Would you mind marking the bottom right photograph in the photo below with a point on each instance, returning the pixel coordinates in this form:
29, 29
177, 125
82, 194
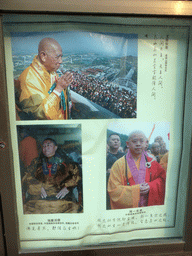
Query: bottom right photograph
136, 164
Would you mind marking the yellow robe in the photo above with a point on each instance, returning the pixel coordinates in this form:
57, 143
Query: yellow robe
35, 82
128, 196
122, 196
164, 161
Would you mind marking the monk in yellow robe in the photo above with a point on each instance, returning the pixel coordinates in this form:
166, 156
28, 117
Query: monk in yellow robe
136, 180
44, 95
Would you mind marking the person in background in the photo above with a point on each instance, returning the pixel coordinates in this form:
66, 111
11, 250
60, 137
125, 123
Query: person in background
114, 144
155, 150
162, 144
113, 154
164, 161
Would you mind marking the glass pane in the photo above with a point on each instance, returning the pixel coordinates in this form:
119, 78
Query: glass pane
117, 126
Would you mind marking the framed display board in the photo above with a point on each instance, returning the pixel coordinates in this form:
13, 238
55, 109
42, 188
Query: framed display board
96, 130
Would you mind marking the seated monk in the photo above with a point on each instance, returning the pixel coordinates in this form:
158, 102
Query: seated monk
49, 183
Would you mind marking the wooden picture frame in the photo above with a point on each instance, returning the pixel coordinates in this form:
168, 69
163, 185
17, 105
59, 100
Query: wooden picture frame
173, 10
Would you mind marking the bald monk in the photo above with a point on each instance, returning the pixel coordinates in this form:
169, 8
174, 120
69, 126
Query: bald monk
44, 95
136, 180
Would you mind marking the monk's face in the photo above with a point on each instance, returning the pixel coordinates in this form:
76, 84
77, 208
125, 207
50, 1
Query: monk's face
49, 148
137, 144
155, 149
159, 139
52, 58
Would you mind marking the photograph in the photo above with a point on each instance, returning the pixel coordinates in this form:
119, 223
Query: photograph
136, 164
63, 75
51, 168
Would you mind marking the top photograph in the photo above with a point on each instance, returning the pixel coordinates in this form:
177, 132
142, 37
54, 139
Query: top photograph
75, 75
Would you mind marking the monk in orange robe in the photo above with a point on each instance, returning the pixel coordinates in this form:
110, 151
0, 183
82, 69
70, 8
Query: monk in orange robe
44, 95
136, 180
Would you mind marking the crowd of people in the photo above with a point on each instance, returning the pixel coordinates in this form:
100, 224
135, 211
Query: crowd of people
119, 101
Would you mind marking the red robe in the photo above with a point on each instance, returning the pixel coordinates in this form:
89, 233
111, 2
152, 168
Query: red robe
124, 196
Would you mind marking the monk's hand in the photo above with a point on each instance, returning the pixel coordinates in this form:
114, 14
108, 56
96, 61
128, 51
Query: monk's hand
144, 188
64, 81
62, 193
43, 193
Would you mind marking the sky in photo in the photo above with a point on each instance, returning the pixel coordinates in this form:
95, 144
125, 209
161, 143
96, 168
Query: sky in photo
77, 42
161, 129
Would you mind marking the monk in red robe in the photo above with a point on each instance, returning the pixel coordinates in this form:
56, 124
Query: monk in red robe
136, 180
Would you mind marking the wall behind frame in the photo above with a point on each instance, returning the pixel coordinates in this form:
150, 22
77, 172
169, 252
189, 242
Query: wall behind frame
6, 167
2, 134
160, 7
2, 244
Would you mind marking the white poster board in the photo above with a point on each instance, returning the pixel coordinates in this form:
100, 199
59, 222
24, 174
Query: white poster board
116, 50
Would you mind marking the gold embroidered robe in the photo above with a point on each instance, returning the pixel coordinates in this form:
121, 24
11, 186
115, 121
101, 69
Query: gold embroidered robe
67, 175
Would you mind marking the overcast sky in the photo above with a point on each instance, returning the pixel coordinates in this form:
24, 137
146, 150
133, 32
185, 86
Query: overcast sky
109, 44
161, 129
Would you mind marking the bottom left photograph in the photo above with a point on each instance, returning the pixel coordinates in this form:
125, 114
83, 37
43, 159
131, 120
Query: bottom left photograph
51, 168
